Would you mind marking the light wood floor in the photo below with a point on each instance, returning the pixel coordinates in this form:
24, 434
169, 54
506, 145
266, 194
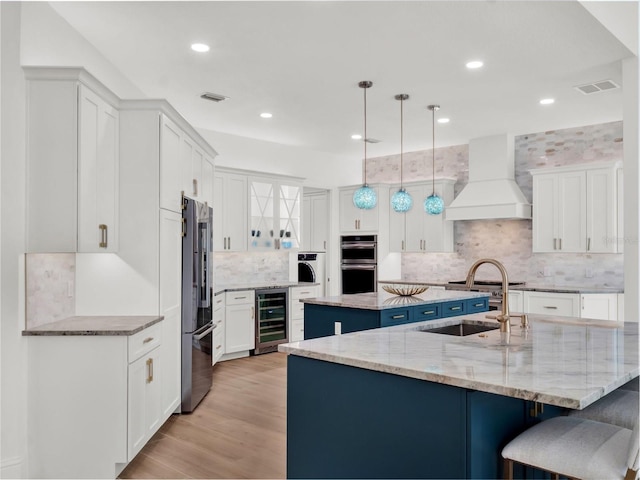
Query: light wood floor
237, 431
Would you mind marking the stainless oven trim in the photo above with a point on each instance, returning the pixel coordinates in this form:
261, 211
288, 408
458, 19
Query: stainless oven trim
359, 266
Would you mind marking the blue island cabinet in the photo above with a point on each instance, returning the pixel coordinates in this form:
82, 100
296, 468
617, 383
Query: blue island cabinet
349, 422
320, 320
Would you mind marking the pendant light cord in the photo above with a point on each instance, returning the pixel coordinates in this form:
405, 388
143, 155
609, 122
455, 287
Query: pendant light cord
401, 136
433, 149
365, 135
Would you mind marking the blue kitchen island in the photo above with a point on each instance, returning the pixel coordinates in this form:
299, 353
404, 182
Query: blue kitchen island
363, 311
404, 402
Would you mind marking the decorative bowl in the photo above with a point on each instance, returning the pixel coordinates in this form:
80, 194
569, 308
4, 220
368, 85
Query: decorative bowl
405, 289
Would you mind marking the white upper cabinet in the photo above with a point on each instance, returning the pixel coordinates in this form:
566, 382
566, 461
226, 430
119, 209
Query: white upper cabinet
356, 220
575, 209
315, 222
274, 213
72, 163
229, 212
416, 230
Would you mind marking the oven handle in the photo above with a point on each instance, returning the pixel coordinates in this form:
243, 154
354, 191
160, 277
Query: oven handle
358, 246
358, 267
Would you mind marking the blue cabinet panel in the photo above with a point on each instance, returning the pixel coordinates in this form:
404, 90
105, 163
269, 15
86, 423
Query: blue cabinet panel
396, 316
475, 305
451, 309
426, 312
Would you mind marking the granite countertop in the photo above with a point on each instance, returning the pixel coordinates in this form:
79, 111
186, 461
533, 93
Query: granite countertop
561, 361
95, 325
383, 300
530, 287
218, 289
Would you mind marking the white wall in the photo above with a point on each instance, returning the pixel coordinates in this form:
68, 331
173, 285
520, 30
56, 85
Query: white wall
13, 417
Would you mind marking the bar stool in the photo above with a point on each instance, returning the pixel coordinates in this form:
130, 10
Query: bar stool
619, 408
577, 448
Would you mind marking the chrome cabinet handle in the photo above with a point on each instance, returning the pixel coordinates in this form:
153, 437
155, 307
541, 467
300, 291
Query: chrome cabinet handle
355, 223
253, 313
224, 241
555, 243
478, 304
147, 340
588, 244
402, 248
396, 317
228, 243
429, 312
560, 243
455, 308
195, 187
325, 244
103, 236
239, 298
551, 307
183, 227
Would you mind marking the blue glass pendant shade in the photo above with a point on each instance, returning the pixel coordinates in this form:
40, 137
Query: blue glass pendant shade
434, 205
365, 197
401, 201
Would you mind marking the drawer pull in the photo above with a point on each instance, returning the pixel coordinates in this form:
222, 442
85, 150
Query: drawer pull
147, 340
397, 317
218, 347
429, 312
478, 304
305, 293
455, 308
552, 307
239, 298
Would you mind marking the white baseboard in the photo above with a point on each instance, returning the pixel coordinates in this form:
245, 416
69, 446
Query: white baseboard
233, 356
12, 468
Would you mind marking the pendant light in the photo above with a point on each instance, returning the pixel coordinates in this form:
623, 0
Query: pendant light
433, 204
365, 197
401, 201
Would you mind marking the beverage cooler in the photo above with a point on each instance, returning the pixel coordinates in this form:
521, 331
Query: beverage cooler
271, 319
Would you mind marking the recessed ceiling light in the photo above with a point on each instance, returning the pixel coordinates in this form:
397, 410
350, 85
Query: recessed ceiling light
200, 47
356, 136
266, 115
474, 64
547, 101
443, 120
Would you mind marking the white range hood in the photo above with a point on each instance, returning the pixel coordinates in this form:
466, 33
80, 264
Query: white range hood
492, 192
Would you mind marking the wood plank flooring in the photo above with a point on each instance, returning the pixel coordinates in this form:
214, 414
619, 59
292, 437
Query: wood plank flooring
237, 431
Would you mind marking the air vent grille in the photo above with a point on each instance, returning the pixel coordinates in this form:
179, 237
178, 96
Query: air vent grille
589, 88
214, 97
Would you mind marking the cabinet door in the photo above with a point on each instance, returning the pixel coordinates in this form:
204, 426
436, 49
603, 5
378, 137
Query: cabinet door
601, 211
414, 221
319, 222
289, 198
369, 218
207, 181
349, 214
187, 155
398, 224
307, 224
97, 174
230, 212
516, 301
143, 401
571, 209
170, 165
170, 307
544, 213
262, 215
601, 306
239, 328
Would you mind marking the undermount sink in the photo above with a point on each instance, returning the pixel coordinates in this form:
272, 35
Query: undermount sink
461, 329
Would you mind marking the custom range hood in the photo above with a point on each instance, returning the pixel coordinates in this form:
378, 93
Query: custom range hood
492, 192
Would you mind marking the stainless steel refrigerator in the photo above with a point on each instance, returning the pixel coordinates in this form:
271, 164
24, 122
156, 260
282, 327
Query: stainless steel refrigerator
197, 311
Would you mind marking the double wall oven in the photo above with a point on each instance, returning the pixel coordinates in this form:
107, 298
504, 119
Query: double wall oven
359, 263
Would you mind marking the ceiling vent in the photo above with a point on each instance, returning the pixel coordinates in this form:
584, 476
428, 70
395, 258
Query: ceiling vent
596, 87
214, 97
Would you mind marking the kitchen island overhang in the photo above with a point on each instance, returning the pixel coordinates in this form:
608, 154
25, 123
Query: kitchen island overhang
398, 402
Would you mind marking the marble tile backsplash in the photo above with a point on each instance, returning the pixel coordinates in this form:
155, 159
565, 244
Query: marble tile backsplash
250, 267
510, 240
50, 287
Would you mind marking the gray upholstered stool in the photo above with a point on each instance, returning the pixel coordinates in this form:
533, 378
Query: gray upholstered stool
619, 408
577, 448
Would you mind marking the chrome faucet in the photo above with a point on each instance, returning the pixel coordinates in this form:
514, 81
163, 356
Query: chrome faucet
503, 317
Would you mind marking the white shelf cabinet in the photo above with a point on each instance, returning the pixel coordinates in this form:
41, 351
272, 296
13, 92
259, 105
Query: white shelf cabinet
274, 213
219, 314
239, 321
315, 222
416, 230
296, 309
230, 212
356, 220
72, 162
113, 384
575, 209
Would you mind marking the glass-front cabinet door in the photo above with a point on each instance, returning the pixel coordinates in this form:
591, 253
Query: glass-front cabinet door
289, 213
275, 215
261, 232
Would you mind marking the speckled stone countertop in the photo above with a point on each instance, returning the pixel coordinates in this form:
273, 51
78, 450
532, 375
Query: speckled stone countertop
218, 289
561, 361
95, 325
531, 287
383, 300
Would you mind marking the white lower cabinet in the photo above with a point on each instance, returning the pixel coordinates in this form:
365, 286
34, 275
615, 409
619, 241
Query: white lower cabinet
601, 306
296, 310
240, 321
551, 303
94, 401
516, 301
219, 314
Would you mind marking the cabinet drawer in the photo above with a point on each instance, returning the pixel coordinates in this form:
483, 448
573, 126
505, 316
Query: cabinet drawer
297, 331
219, 301
451, 309
240, 298
144, 341
474, 305
394, 317
218, 342
426, 312
303, 292
544, 303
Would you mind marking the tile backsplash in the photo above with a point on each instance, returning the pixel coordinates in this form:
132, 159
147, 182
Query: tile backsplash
250, 267
510, 241
50, 286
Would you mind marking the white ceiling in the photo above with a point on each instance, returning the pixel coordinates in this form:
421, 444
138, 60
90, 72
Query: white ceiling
302, 62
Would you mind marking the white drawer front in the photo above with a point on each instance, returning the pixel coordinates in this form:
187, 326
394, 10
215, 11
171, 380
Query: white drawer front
240, 297
297, 331
219, 301
565, 305
144, 341
297, 309
304, 292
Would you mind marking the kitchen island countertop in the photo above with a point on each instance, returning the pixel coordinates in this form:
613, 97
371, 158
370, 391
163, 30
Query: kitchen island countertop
562, 361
